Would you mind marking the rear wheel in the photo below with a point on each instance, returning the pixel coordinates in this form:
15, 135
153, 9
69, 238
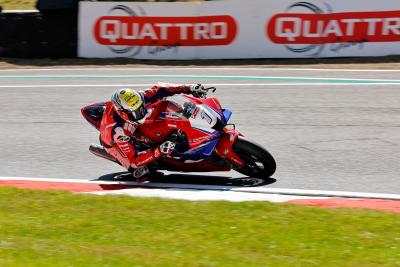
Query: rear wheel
258, 161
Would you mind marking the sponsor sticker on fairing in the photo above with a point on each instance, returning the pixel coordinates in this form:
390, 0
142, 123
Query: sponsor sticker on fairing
298, 28
165, 31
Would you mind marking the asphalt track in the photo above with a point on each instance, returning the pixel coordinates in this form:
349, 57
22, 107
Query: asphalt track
328, 129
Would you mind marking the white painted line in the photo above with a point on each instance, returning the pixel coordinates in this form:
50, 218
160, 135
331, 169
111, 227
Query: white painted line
316, 193
214, 84
201, 195
261, 190
229, 77
168, 68
21, 11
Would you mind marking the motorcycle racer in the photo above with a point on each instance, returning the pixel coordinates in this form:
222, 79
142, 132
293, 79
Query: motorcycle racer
124, 113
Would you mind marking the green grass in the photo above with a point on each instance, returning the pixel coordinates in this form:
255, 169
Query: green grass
39, 228
18, 4
30, 4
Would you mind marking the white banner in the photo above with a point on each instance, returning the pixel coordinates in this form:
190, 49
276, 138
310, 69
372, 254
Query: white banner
233, 29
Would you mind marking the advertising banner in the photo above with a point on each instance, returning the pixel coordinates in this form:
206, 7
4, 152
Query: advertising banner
233, 29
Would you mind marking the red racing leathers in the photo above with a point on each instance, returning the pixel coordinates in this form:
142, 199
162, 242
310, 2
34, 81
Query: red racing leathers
121, 139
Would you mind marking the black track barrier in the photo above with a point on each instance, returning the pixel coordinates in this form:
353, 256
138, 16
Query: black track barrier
51, 5
51, 32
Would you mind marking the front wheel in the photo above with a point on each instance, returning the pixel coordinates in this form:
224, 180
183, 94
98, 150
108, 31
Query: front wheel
258, 161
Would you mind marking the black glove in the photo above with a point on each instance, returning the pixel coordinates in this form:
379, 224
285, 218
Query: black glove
166, 148
198, 90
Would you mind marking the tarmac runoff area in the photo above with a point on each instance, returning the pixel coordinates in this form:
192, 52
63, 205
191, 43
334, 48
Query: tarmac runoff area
334, 130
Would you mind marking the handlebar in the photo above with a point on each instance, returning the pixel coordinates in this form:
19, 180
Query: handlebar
204, 95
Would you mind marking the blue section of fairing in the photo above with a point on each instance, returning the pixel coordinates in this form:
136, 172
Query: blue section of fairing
211, 131
204, 151
227, 115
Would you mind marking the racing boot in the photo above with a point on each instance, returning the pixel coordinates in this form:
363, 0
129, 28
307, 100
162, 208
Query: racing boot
140, 174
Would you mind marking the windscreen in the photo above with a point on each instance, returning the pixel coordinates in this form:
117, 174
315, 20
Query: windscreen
179, 107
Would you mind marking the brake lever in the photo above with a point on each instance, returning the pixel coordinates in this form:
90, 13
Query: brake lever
213, 89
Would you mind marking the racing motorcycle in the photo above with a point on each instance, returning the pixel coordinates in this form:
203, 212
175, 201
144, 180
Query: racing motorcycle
205, 141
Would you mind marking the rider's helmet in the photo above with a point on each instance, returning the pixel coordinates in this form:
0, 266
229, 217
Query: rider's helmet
129, 104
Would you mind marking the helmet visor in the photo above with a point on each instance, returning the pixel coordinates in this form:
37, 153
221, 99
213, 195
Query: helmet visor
138, 114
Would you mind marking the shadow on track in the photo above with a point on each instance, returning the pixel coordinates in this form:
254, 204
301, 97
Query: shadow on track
159, 177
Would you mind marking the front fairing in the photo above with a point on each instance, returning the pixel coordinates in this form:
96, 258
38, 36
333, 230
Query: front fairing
201, 116
197, 120
94, 113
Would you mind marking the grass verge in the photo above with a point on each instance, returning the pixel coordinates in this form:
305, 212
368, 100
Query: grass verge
52, 228
18, 4
30, 4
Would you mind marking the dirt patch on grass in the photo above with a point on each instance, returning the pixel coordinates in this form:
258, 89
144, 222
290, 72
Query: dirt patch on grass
391, 62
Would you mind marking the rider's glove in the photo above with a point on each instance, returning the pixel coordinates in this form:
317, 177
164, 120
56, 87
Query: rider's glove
198, 90
166, 148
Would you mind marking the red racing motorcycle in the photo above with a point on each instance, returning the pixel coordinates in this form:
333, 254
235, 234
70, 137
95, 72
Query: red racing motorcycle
205, 141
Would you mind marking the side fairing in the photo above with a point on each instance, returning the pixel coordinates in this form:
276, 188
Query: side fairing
203, 151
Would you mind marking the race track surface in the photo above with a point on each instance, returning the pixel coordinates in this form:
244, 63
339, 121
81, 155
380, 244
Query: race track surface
327, 129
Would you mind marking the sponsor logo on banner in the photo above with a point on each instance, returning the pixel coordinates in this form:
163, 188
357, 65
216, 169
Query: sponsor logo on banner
121, 10
317, 27
165, 31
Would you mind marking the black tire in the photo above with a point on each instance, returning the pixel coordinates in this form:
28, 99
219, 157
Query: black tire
258, 161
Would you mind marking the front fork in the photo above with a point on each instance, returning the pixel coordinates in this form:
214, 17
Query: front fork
224, 147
